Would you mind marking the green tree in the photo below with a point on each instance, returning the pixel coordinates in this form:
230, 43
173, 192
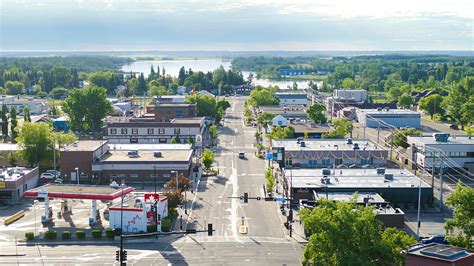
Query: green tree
349, 234
213, 132
36, 142
282, 132
58, 93
264, 118
205, 105
86, 108
158, 91
26, 114
223, 103
348, 83
341, 127
432, 105
262, 97
460, 228
393, 93
270, 184
176, 139
458, 100
405, 101
13, 124
316, 113
14, 87
4, 115
207, 159
400, 137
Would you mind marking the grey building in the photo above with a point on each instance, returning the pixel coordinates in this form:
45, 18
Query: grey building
385, 117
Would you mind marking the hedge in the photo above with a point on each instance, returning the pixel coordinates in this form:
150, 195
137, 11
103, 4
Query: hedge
51, 234
29, 235
66, 234
166, 224
81, 234
151, 228
109, 233
97, 233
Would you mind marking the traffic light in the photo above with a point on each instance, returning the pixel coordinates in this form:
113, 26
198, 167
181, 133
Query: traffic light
117, 255
209, 229
124, 254
290, 216
246, 197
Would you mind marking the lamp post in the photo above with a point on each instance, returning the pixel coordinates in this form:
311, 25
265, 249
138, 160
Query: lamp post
77, 174
35, 202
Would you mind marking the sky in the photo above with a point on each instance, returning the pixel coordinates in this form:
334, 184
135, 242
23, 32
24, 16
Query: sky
236, 25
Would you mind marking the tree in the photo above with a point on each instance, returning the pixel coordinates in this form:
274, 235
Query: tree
176, 139
460, 228
316, 113
183, 183
205, 104
4, 115
86, 108
341, 127
264, 118
207, 158
12, 158
432, 105
405, 101
13, 124
14, 87
36, 142
344, 233
58, 93
26, 114
282, 132
158, 91
270, 184
223, 103
400, 137
457, 99
393, 93
263, 97
348, 83
213, 132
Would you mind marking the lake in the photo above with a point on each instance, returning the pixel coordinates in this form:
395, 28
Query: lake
172, 67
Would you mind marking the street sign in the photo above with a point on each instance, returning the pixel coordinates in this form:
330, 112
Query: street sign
279, 199
3, 184
269, 156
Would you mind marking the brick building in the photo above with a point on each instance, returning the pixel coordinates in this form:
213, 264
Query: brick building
167, 111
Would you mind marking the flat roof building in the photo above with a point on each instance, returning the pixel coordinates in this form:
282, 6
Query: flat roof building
439, 255
398, 186
14, 181
292, 98
385, 117
443, 150
314, 153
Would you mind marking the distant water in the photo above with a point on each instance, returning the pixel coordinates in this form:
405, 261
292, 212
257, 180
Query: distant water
172, 68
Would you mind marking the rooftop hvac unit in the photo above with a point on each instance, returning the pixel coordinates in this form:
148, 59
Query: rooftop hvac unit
302, 144
157, 154
132, 154
349, 141
388, 176
356, 146
326, 171
441, 137
380, 171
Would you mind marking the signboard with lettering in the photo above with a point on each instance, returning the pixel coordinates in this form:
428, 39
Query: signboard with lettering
3, 184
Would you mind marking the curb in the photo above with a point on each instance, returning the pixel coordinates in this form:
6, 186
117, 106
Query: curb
51, 243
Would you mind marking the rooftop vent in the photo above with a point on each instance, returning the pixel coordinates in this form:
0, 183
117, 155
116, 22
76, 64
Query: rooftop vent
157, 154
349, 141
380, 171
388, 176
326, 171
132, 154
356, 146
441, 137
302, 144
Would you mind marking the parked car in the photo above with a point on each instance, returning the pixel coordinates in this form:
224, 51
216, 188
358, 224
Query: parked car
434, 239
54, 172
241, 155
47, 176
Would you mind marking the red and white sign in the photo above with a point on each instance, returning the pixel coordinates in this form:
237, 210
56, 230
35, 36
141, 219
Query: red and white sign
151, 197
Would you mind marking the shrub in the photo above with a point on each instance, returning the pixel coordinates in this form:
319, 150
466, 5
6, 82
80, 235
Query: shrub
151, 228
81, 234
166, 224
97, 233
29, 235
109, 233
66, 234
51, 234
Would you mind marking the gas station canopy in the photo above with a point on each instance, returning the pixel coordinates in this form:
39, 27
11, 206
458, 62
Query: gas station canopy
85, 192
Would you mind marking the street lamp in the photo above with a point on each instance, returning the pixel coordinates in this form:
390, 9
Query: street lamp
77, 174
35, 203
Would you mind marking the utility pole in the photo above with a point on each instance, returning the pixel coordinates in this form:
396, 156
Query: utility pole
121, 232
378, 133
433, 170
419, 209
441, 205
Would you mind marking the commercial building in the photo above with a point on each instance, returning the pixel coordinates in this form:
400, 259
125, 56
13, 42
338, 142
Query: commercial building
397, 186
438, 255
359, 96
156, 132
35, 107
292, 98
385, 117
167, 111
386, 213
290, 112
99, 162
312, 153
442, 150
15, 181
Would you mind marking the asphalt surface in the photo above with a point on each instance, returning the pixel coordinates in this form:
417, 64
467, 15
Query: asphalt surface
216, 201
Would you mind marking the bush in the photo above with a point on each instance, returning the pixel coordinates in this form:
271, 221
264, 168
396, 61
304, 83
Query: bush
81, 234
109, 233
51, 234
66, 234
151, 228
29, 235
166, 224
97, 233
172, 214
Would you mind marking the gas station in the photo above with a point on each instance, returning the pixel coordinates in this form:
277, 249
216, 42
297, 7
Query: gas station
79, 192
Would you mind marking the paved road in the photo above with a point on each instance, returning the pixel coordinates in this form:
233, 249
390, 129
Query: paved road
266, 242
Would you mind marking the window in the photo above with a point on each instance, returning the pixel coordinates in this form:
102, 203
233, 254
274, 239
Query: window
163, 140
312, 163
152, 175
135, 131
133, 175
366, 161
113, 131
166, 175
124, 131
326, 162
133, 140
177, 131
161, 131
338, 161
179, 113
151, 131
288, 162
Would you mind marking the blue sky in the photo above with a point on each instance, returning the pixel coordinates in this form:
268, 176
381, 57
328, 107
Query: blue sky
311, 25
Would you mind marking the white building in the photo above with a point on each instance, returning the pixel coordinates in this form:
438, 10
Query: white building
292, 98
35, 107
137, 213
443, 150
385, 117
353, 95
14, 181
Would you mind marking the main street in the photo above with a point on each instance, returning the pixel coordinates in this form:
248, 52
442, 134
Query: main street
265, 243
